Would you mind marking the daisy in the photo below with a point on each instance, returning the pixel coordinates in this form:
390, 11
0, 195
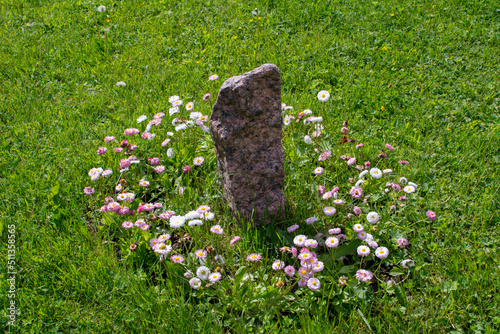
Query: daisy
381, 252
313, 283
431, 215
311, 243
165, 142
202, 273
362, 235
195, 222
364, 275
409, 189
195, 282
214, 277
334, 230
386, 171
170, 152
319, 171
198, 161
372, 217
177, 103
216, 229
177, 221
192, 215
304, 272
189, 106
88, 191
389, 147
358, 228
234, 240
403, 242
173, 98
290, 271
376, 173
254, 257
362, 174
292, 228
203, 208
139, 222
141, 119
101, 150
338, 202
102, 9
323, 96
351, 161
159, 169
131, 132
207, 97
213, 77
382, 155
307, 140
208, 215
407, 263
173, 110
278, 265
363, 250
302, 282
287, 120
311, 220
303, 256
127, 224
121, 84
163, 249
356, 192
164, 237
331, 242
319, 266
144, 183
113, 206
329, 210
342, 280
325, 156
299, 240
201, 254
177, 258
403, 162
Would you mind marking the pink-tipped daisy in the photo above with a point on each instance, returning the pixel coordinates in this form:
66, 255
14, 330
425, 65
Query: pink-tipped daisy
313, 283
217, 229
254, 257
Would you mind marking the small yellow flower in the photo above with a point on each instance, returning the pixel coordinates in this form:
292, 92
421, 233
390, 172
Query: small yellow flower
251, 20
382, 108
447, 129
234, 37
392, 14
384, 48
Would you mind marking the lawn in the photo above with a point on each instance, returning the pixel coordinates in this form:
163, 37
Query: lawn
422, 76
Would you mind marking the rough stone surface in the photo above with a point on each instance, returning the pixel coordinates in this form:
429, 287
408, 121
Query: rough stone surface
245, 126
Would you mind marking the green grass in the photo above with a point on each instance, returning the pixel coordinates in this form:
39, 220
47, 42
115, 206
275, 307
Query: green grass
433, 66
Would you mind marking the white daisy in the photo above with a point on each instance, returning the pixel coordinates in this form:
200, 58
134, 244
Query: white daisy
323, 96
376, 173
142, 118
189, 106
177, 221
202, 273
372, 217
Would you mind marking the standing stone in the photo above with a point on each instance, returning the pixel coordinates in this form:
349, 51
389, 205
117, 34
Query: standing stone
245, 126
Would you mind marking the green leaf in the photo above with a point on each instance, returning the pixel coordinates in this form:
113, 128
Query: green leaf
348, 249
396, 272
239, 276
364, 319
